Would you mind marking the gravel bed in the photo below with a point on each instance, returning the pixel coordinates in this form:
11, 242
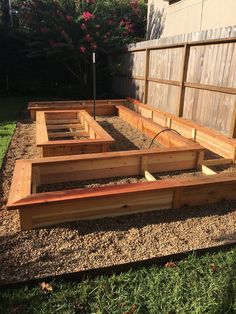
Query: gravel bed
88, 244
126, 136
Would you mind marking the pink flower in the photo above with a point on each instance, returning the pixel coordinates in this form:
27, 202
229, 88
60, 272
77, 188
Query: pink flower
88, 38
129, 27
110, 22
44, 29
87, 16
122, 22
83, 26
94, 46
82, 49
69, 18
90, 1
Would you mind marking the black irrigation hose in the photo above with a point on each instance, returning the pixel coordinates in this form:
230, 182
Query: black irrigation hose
167, 129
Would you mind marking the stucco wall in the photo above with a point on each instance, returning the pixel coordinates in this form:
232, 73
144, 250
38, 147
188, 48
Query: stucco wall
188, 16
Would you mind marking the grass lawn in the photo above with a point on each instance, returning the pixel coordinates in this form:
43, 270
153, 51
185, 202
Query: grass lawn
196, 285
9, 112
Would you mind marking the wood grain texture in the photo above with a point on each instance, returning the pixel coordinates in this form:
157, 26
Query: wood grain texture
69, 132
190, 75
208, 138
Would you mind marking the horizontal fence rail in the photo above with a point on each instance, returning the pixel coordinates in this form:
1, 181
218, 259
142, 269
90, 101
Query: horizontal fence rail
195, 80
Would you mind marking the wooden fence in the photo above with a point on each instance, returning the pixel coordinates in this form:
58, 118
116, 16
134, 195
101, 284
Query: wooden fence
192, 75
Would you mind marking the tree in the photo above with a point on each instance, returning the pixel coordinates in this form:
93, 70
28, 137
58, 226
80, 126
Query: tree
69, 31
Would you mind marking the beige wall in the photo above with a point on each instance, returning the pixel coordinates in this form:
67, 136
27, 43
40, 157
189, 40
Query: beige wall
188, 16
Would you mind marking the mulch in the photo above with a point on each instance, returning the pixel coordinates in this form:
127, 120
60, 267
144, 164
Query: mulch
95, 243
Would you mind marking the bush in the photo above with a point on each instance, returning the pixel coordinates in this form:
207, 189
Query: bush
67, 32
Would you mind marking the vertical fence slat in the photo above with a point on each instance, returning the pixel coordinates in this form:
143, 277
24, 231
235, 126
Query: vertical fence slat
147, 61
183, 78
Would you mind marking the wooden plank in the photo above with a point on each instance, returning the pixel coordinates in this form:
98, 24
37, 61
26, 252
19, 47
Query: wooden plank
35, 179
147, 60
67, 134
21, 181
190, 43
115, 205
76, 126
210, 139
163, 81
123, 199
77, 148
218, 162
61, 121
97, 140
183, 78
106, 165
149, 177
233, 122
104, 107
98, 130
213, 88
168, 139
206, 170
41, 129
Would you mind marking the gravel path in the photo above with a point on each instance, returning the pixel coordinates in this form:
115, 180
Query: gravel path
87, 244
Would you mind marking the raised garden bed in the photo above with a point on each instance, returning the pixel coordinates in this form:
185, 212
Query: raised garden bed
41, 209
103, 107
214, 141
162, 135
93, 243
177, 153
69, 132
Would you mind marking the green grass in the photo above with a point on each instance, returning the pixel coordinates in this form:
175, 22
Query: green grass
195, 285
9, 112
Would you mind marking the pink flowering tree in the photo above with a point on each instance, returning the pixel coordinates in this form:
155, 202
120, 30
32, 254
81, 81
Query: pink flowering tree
69, 31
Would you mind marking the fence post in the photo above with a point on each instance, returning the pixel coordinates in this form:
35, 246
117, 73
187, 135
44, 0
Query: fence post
147, 58
232, 131
183, 78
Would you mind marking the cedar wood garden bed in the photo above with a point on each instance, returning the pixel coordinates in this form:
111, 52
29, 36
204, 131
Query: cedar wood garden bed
79, 245
69, 132
40, 209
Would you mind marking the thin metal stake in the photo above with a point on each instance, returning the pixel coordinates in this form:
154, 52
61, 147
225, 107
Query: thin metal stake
94, 85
